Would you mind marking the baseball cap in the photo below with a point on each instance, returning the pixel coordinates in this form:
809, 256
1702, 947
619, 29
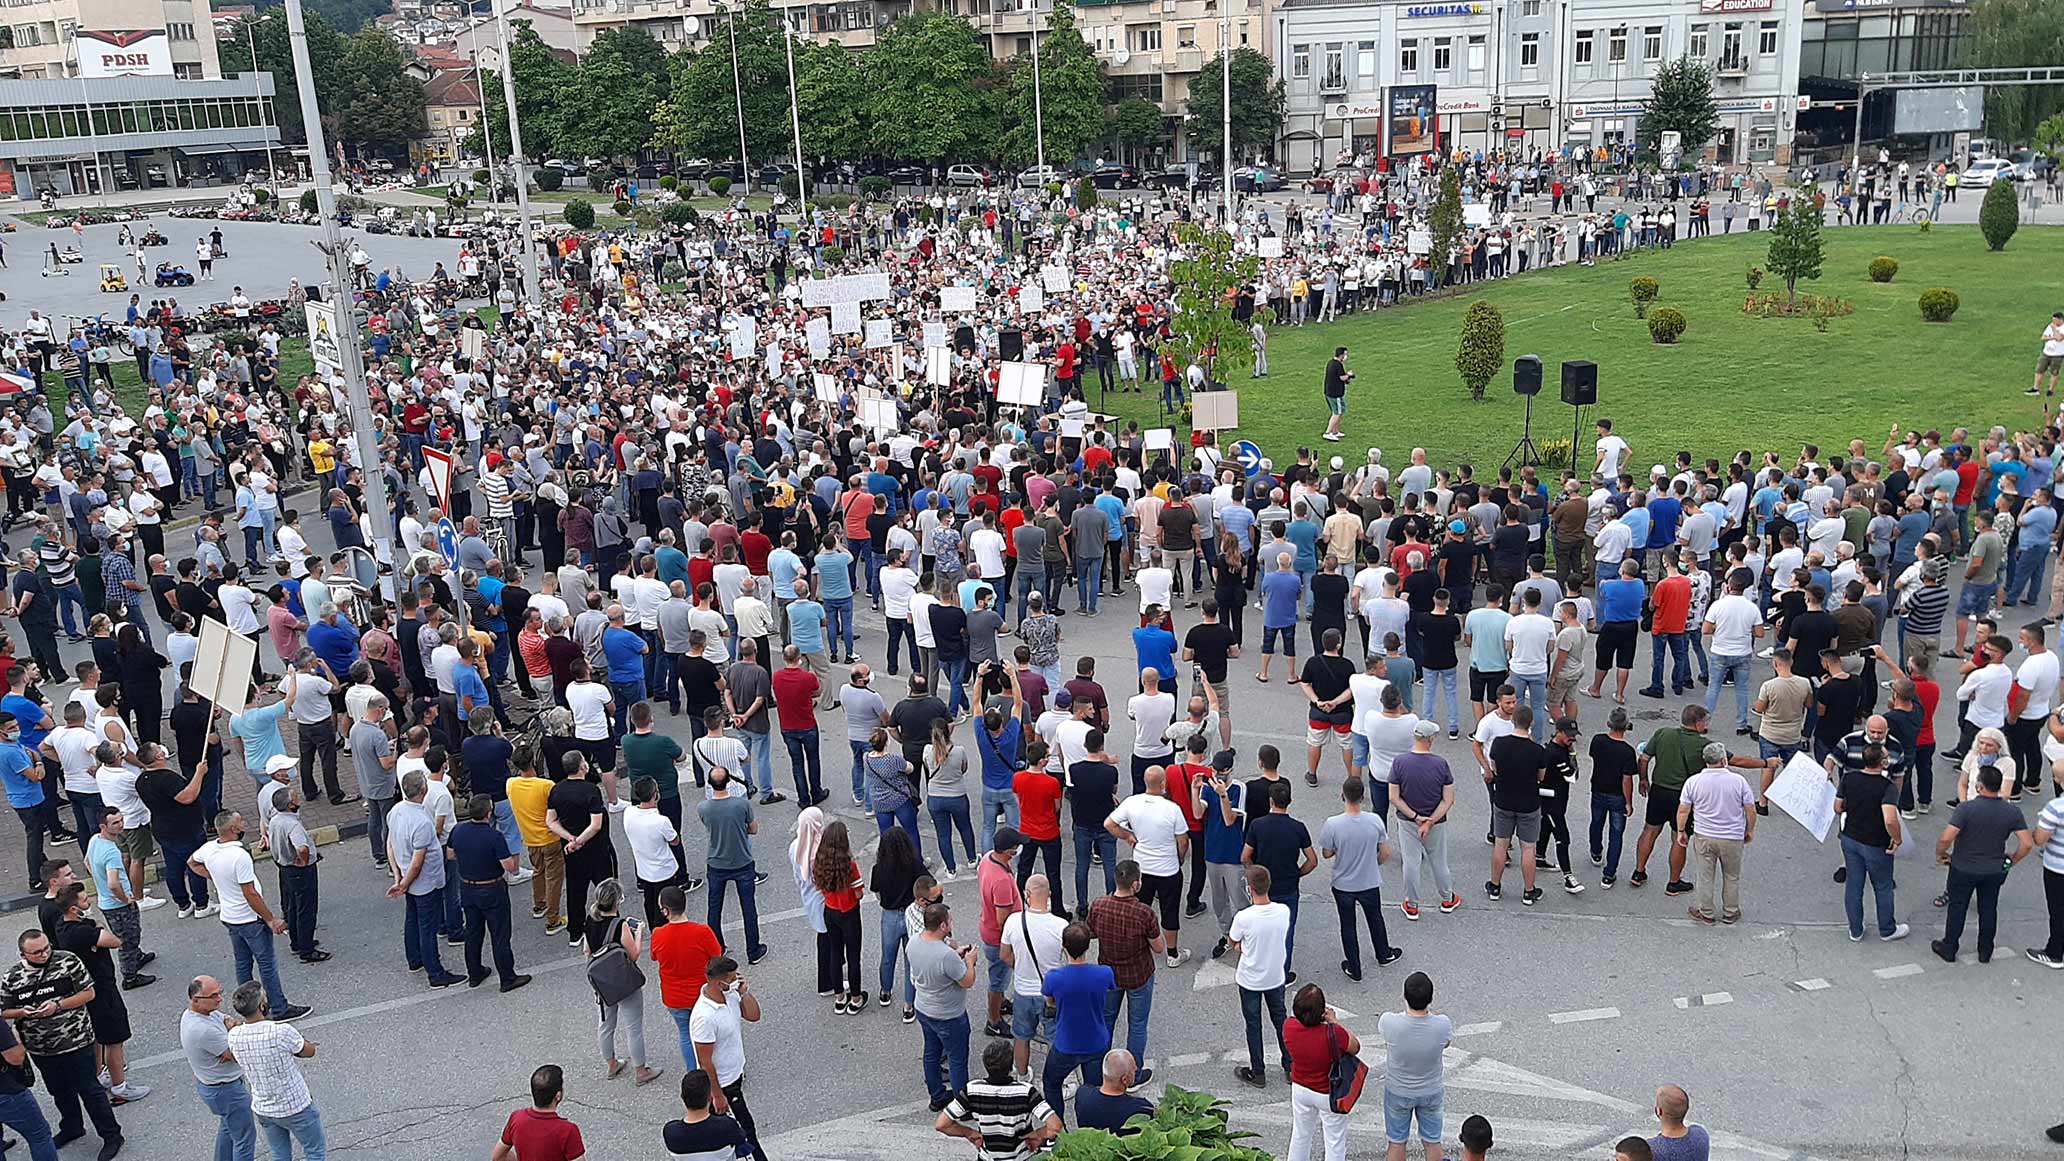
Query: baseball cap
1426, 729
1063, 699
1008, 839
279, 762
1566, 726
1457, 526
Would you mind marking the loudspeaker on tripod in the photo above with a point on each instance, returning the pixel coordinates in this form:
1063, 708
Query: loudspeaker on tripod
1526, 375
1579, 382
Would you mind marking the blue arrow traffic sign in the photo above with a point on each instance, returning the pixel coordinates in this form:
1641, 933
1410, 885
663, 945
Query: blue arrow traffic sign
448, 542
1248, 455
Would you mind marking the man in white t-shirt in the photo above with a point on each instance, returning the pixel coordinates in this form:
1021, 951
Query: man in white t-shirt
1529, 648
250, 923
2052, 359
652, 837
1731, 627
716, 1026
1031, 947
1160, 837
1261, 934
1612, 453
1152, 711
2029, 703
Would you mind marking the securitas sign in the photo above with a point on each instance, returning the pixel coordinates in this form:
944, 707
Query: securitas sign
124, 53
1420, 11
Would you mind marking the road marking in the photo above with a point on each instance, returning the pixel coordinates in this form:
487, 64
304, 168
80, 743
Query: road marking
1483, 1029
1212, 974
1583, 1014
1997, 953
1816, 984
1236, 1056
1189, 1058
1707, 1000
1555, 1136
1898, 971
1487, 1075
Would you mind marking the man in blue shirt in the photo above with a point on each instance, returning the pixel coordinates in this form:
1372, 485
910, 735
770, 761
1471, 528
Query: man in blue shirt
1154, 646
480, 857
1113, 509
1081, 1031
2038, 521
1304, 534
21, 773
1280, 591
835, 589
1619, 624
469, 689
625, 652
333, 638
999, 742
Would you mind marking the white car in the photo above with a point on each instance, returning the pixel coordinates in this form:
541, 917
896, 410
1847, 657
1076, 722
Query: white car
1984, 173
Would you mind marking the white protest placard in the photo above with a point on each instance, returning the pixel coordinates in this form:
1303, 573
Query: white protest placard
222, 667
744, 337
879, 414
935, 334
938, 366
1215, 410
472, 343
957, 299
845, 318
1476, 215
1054, 279
1021, 384
1031, 299
817, 292
1270, 246
825, 387
1072, 428
773, 360
1803, 791
1160, 439
1419, 240
818, 333
865, 287
880, 333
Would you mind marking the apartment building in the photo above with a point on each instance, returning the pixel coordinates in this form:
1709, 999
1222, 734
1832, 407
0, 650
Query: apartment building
125, 37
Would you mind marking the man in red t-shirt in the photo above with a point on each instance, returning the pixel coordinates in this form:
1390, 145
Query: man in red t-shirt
539, 1133
1184, 780
997, 883
1670, 601
683, 950
795, 704
1039, 820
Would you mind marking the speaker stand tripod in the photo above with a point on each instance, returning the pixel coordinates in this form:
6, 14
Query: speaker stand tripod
1524, 452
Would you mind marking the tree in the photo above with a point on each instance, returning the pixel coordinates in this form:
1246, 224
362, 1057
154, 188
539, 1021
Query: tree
832, 100
1258, 105
1205, 332
1795, 250
620, 81
1071, 95
1444, 219
2016, 34
276, 56
699, 116
1680, 100
934, 97
542, 79
347, 16
1136, 124
1483, 347
380, 104
1998, 216
2049, 136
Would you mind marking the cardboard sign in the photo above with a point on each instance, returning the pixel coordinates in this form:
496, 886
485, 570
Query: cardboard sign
1269, 247
938, 366
222, 666
818, 334
845, 318
1160, 439
1021, 384
1215, 410
880, 333
957, 299
935, 334
825, 387
1054, 279
1031, 299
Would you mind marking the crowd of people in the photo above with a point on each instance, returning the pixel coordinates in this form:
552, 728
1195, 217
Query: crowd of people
680, 500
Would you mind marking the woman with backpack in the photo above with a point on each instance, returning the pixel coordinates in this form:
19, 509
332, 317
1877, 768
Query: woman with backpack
615, 944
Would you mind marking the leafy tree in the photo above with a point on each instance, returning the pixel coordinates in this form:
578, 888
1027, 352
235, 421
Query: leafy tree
1681, 100
542, 80
1482, 353
1071, 95
1795, 249
621, 80
934, 97
1136, 124
1998, 216
2016, 34
580, 214
347, 16
380, 104
1204, 329
1444, 219
699, 116
276, 56
832, 100
2049, 136
1258, 105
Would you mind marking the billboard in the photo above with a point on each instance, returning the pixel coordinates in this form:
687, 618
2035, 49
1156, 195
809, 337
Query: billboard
1411, 125
124, 53
1960, 110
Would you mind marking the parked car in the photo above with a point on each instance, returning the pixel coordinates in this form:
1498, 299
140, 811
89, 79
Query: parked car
771, 175
1115, 177
1038, 175
1168, 177
730, 170
1983, 173
1257, 179
907, 175
2028, 164
968, 176
695, 169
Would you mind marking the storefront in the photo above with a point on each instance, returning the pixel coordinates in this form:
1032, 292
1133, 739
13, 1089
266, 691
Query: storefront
80, 136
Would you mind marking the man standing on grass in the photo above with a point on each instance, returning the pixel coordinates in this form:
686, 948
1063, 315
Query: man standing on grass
1337, 379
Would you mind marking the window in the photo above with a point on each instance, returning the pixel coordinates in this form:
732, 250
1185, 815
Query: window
1529, 50
1652, 43
1300, 62
1696, 48
1616, 46
1145, 38
1443, 54
176, 30
1731, 58
1185, 36
1530, 7
1335, 77
1584, 48
1365, 63
1766, 38
1146, 88
1408, 57
1476, 53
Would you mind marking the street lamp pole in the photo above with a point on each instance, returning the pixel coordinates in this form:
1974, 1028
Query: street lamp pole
486, 135
795, 124
1038, 109
251, 28
738, 99
351, 364
1225, 113
526, 236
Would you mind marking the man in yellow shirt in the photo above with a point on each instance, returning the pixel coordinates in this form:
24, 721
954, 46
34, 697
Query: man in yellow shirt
527, 793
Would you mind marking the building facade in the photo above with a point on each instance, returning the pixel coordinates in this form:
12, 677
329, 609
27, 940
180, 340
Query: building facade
680, 24
1526, 75
153, 37
1153, 49
85, 135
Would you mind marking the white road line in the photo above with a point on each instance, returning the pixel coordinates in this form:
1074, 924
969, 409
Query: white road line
1816, 984
1898, 971
1997, 953
1189, 1058
1583, 1014
1483, 1029
1706, 1000
1236, 1056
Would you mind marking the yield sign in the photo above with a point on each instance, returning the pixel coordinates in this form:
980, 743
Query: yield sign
439, 465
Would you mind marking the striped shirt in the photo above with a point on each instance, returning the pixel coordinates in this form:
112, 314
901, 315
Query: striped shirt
495, 488
2051, 820
1005, 1114
1924, 609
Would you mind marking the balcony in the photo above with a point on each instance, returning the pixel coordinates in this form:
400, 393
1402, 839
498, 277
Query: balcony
1333, 84
1731, 66
1012, 23
1185, 59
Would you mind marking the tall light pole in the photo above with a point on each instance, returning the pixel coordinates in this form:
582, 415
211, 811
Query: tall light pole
1038, 108
738, 98
351, 365
526, 236
251, 28
486, 133
1225, 112
795, 121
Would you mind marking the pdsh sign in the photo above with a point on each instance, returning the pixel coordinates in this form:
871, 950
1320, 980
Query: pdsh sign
124, 52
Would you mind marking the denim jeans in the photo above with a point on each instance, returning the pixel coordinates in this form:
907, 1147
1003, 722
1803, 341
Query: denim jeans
992, 802
1680, 660
1962, 886
805, 762
21, 1113
1724, 665
895, 937
305, 1127
2024, 583
1250, 1011
1863, 859
1608, 811
838, 623
956, 671
1139, 1004
626, 694
1532, 689
186, 887
949, 813
1097, 839
1371, 903
1059, 1064
742, 878
236, 1139
945, 1042
900, 630
69, 597
1030, 580
682, 1018
859, 769
1437, 682
505, 822
252, 944
904, 816
421, 919
759, 749
1089, 582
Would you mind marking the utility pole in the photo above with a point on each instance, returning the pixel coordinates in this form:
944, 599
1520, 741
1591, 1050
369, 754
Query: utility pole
526, 234
1038, 109
1225, 112
738, 99
795, 123
351, 363
271, 174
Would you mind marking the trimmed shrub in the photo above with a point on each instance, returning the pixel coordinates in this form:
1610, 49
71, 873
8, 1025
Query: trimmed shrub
720, 185
793, 189
1755, 277
1882, 269
673, 271
1665, 324
261, 195
669, 183
1085, 194
1482, 351
623, 207
479, 177
1998, 216
580, 214
832, 255
1939, 304
548, 179
309, 204
874, 187
678, 214
1644, 291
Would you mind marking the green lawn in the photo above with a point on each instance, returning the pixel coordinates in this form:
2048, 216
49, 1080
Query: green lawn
1731, 382
134, 397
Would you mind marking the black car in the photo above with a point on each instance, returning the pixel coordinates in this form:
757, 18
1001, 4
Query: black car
1115, 177
1171, 177
908, 175
730, 170
772, 175
695, 170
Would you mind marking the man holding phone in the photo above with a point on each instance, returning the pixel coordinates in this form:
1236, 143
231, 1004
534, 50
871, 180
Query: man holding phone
717, 1027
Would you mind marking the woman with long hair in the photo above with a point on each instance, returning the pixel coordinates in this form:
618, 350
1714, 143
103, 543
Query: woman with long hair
891, 787
140, 668
836, 874
897, 868
1229, 585
606, 927
1314, 1038
802, 862
946, 794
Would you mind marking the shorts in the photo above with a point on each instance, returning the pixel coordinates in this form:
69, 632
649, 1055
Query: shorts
1523, 825
1563, 688
1320, 733
1483, 685
1337, 404
137, 843
110, 1021
2049, 364
1662, 807
1358, 751
1288, 633
1224, 690
1399, 1112
999, 971
1166, 890
1976, 599
1616, 644
1028, 1014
